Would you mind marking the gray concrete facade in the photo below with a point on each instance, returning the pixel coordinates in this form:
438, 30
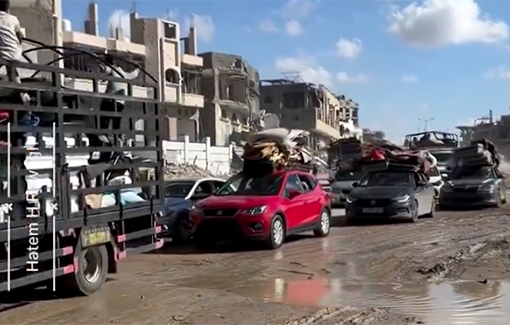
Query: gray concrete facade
230, 86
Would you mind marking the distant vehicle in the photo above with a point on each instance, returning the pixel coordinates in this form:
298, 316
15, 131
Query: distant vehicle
180, 195
469, 187
442, 155
392, 193
342, 186
268, 209
431, 139
436, 179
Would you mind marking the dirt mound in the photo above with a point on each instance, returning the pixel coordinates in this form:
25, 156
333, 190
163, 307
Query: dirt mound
184, 170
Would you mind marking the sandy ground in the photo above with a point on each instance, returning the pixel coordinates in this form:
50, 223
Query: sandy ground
437, 271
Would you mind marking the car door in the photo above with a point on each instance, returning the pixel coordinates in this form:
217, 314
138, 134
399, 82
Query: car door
424, 193
293, 207
419, 192
313, 206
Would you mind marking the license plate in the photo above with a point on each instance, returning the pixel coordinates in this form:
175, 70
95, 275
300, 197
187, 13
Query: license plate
373, 210
97, 236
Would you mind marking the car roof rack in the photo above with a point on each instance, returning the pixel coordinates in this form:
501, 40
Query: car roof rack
388, 165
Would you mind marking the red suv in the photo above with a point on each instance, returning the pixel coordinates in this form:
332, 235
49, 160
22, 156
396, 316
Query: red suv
268, 208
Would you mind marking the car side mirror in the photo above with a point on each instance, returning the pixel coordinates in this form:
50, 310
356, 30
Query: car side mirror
199, 196
293, 194
355, 184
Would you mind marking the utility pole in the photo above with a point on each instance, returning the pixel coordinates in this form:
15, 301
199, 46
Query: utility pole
425, 122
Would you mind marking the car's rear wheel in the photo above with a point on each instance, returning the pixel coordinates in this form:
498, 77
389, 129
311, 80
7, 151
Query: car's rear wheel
276, 233
324, 224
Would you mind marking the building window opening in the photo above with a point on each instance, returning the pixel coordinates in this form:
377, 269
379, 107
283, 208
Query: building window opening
223, 113
268, 100
172, 76
293, 100
192, 81
170, 31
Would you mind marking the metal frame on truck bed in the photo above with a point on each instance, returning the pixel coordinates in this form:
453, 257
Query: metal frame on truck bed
58, 236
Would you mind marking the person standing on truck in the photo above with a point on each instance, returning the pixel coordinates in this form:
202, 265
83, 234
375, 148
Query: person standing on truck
114, 87
11, 36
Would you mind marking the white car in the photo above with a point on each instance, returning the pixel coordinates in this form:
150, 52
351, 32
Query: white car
436, 179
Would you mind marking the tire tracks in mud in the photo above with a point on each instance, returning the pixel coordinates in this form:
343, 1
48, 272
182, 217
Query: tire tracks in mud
353, 316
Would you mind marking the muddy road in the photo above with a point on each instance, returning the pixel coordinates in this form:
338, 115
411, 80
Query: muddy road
439, 271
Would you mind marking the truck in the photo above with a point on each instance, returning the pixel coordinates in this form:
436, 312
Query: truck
74, 201
440, 144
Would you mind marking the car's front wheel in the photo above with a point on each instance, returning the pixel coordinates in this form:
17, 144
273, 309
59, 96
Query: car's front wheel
415, 214
324, 225
276, 233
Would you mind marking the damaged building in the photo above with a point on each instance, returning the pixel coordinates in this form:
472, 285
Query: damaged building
302, 105
231, 91
153, 44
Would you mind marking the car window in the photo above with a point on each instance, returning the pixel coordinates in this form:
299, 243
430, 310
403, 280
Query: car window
473, 173
178, 189
307, 183
386, 178
293, 183
244, 185
204, 187
217, 184
433, 172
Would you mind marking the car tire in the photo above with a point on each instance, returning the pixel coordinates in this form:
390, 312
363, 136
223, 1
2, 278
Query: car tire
179, 234
277, 233
324, 224
415, 214
503, 197
432, 212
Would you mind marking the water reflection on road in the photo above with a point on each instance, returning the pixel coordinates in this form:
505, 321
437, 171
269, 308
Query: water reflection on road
441, 304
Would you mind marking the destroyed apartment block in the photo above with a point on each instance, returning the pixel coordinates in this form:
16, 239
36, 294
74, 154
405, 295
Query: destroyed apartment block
153, 44
230, 87
302, 105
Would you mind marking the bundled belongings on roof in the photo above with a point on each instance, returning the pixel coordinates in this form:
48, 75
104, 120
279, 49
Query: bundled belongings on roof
478, 153
275, 148
372, 157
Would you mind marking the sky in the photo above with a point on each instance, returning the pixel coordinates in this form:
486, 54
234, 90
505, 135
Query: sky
436, 62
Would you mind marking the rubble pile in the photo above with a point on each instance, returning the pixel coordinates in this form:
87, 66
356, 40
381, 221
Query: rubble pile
275, 148
479, 153
184, 170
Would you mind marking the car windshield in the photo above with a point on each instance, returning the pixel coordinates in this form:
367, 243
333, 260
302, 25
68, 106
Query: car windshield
243, 185
474, 173
442, 158
179, 189
386, 178
433, 172
347, 176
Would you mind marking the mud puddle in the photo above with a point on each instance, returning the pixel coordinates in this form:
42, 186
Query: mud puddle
445, 304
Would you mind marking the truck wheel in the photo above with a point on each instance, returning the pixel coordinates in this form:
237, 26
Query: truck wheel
324, 224
92, 272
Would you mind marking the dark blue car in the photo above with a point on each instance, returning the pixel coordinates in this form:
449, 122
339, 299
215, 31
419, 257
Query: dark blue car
180, 195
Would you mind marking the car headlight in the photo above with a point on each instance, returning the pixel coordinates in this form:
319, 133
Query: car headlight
350, 200
487, 188
195, 208
256, 210
402, 199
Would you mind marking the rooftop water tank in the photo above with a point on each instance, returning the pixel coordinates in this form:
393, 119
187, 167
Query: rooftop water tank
66, 25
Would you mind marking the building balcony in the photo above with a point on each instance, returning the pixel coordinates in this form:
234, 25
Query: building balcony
99, 42
325, 129
193, 100
192, 60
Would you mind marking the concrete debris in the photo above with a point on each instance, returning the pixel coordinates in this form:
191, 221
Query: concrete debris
184, 170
